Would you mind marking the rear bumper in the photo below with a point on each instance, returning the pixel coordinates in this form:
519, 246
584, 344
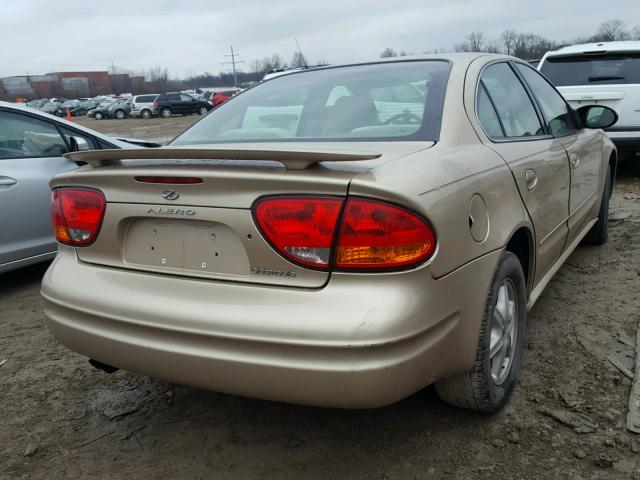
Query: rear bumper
356, 343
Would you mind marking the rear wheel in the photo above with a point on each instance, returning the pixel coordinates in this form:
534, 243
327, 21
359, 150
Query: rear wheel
146, 113
599, 233
202, 110
165, 112
488, 386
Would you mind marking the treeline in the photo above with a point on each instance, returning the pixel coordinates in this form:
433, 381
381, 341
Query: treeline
531, 46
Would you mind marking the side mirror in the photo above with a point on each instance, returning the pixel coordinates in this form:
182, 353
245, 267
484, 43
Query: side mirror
597, 116
79, 144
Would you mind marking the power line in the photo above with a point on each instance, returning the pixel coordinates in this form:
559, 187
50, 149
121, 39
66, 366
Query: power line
233, 63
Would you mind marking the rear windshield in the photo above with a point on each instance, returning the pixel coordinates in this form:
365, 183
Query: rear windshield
606, 69
385, 101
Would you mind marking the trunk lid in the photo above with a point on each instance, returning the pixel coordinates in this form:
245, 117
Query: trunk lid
206, 230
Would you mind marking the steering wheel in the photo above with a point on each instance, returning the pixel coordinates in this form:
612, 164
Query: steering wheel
404, 118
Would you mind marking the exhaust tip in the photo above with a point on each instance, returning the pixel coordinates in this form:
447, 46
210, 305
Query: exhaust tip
103, 366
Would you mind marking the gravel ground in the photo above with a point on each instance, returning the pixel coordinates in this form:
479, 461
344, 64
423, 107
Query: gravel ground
156, 129
59, 418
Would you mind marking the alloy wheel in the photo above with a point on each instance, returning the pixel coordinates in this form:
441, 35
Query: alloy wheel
504, 328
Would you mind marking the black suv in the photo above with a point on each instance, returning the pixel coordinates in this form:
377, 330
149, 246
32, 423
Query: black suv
169, 104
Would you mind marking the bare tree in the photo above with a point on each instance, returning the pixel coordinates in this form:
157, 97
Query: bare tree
388, 53
159, 78
635, 34
274, 62
509, 38
474, 42
299, 60
256, 66
612, 30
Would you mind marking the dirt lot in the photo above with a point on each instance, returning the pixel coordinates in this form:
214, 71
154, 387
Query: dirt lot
59, 418
155, 129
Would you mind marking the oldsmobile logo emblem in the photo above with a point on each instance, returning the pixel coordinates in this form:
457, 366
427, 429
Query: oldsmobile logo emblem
170, 195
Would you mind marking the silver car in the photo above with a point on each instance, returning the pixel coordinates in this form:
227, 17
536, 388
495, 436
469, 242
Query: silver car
31, 148
143, 106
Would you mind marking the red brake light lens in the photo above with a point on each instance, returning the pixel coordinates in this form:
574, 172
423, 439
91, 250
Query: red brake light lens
77, 215
300, 228
372, 235
380, 235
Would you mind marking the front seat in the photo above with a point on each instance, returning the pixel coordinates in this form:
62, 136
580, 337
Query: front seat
349, 113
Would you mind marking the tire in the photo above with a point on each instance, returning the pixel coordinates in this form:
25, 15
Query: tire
98, 116
120, 114
489, 384
145, 113
599, 233
165, 112
203, 111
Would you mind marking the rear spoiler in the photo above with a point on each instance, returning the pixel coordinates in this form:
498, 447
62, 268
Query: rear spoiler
291, 159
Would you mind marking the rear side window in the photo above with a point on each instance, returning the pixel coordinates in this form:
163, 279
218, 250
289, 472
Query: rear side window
556, 112
513, 105
487, 115
173, 97
601, 69
145, 98
22, 136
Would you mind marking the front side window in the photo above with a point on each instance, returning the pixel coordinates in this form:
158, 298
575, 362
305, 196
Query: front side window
513, 105
186, 98
392, 101
22, 136
556, 112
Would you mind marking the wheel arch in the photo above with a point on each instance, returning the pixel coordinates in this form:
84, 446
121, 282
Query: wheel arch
521, 244
613, 164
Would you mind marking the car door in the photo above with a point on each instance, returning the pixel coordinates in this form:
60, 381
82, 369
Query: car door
537, 161
188, 104
583, 148
30, 154
175, 103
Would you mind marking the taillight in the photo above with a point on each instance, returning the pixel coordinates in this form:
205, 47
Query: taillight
300, 228
371, 235
156, 104
77, 215
380, 235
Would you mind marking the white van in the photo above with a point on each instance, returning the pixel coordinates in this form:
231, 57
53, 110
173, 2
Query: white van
606, 73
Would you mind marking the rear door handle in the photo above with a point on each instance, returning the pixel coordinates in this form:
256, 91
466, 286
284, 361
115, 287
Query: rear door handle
7, 182
531, 178
574, 159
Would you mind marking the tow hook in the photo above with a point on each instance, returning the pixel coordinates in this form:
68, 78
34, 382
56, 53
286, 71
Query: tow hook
103, 366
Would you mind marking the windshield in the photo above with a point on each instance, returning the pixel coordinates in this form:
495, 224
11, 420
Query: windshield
607, 69
385, 101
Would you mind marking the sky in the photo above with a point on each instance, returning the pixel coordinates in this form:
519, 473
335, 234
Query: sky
193, 36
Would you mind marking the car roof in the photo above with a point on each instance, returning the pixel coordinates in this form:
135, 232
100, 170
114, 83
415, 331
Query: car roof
609, 47
457, 58
50, 118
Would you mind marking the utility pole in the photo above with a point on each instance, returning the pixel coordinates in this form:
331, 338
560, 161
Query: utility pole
233, 63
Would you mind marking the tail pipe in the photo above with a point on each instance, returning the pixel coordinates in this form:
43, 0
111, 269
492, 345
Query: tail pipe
103, 366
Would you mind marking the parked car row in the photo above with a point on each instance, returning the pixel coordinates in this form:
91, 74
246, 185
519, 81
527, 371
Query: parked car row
137, 106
